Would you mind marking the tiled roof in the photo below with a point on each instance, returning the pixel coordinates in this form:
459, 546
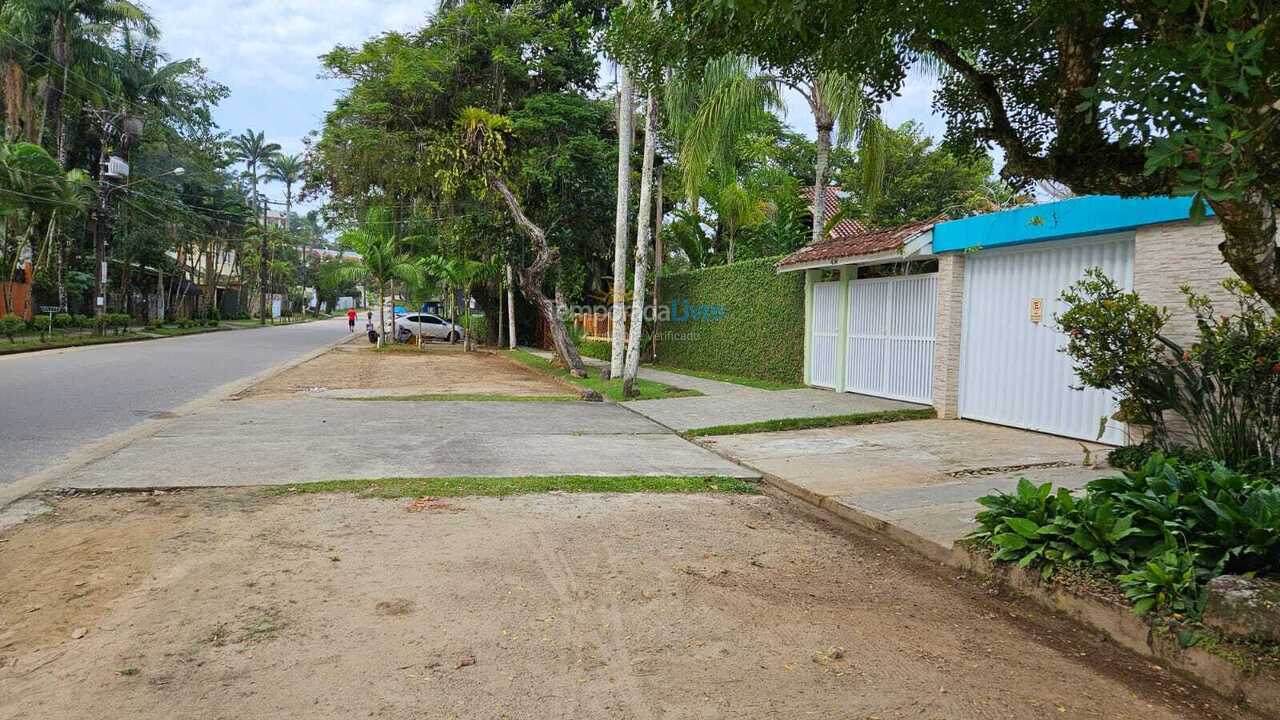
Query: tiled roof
845, 228
868, 242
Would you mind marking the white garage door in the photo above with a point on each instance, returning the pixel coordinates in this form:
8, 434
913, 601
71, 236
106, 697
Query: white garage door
1012, 371
890, 338
825, 338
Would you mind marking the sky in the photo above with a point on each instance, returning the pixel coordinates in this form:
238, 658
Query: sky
266, 52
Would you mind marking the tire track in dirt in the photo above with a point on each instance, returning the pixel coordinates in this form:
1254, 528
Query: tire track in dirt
598, 622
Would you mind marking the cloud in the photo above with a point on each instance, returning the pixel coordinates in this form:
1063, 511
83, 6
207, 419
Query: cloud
274, 43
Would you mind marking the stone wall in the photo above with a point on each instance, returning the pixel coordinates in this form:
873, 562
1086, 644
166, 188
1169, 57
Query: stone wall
1173, 254
947, 333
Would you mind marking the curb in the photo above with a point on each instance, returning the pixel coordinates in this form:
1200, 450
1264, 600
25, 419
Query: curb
84, 456
1259, 691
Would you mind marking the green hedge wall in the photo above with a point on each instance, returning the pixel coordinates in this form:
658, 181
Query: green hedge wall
742, 319
596, 349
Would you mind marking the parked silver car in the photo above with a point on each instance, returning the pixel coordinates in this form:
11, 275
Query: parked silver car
429, 326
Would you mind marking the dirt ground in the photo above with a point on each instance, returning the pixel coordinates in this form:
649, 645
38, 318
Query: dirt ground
438, 369
232, 604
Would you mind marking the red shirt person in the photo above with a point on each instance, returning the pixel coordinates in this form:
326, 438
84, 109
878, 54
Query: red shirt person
351, 320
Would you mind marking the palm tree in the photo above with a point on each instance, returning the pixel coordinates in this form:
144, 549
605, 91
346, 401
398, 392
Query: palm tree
75, 32
253, 150
286, 170
380, 260
714, 109
841, 112
738, 207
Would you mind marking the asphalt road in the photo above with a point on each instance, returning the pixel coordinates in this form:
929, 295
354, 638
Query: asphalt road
53, 402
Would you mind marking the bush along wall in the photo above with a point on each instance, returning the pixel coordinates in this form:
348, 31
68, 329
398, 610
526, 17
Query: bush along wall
742, 319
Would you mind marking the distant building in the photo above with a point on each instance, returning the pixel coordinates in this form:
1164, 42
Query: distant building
277, 219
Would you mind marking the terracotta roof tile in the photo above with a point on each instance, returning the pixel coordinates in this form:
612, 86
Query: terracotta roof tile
843, 229
868, 242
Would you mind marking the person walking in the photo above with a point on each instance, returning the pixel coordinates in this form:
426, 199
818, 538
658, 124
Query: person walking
351, 320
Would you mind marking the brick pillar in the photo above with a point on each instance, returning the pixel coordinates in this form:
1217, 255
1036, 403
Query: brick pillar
946, 353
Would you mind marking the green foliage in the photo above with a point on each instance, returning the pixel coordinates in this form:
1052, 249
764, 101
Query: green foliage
922, 181
805, 423
11, 325
611, 389
1162, 531
761, 333
597, 349
1170, 581
1225, 388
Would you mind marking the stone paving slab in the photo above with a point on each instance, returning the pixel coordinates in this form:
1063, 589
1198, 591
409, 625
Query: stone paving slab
921, 476
275, 442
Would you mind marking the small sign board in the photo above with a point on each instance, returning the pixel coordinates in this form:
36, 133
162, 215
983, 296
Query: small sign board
51, 309
1037, 310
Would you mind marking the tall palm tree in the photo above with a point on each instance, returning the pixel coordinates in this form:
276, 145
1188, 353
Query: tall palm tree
712, 109
286, 170
253, 150
841, 112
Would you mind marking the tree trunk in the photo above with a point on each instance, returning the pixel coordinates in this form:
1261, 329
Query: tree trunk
511, 308
1250, 245
531, 278
53, 104
210, 279
626, 121
501, 318
820, 182
638, 294
382, 312
657, 255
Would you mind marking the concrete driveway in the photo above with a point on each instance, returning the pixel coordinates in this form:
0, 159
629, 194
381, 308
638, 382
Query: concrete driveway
922, 476
725, 403
283, 442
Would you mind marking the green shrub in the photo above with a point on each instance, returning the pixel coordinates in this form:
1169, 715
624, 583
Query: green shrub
41, 324
1225, 388
1133, 457
84, 322
11, 325
596, 349
63, 321
743, 319
1144, 527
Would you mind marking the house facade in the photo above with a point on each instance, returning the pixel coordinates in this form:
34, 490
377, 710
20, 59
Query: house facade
961, 314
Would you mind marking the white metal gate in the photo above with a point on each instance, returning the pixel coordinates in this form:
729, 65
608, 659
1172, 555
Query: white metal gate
826, 334
891, 337
1012, 370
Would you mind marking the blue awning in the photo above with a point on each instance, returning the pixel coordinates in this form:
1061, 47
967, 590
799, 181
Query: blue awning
1074, 217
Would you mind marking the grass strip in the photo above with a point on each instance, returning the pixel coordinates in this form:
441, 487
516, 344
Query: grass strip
612, 389
764, 426
503, 486
461, 397
57, 343
757, 383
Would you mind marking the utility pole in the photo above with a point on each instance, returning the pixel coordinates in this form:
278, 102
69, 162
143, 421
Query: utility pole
99, 227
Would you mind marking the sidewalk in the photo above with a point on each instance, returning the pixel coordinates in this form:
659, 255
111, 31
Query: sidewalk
725, 403
917, 480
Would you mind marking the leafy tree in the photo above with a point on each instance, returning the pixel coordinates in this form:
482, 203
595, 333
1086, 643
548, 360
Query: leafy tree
1153, 97
922, 181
